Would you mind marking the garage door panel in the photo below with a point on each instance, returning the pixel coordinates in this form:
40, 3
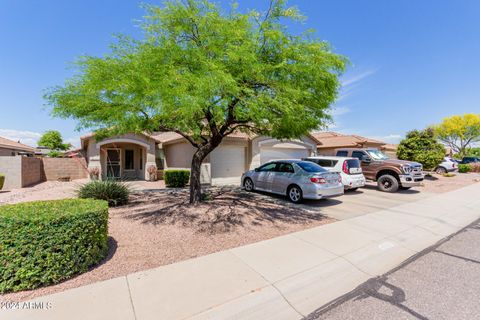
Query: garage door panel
268, 154
228, 162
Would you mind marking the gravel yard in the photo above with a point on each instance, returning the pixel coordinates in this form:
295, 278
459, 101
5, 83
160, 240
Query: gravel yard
157, 227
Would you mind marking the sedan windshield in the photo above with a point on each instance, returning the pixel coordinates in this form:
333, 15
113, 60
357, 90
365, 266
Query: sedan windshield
377, 155
311, 167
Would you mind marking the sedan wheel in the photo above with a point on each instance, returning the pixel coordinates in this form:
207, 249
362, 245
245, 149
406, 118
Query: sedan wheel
248, 184
441, 170
295, 194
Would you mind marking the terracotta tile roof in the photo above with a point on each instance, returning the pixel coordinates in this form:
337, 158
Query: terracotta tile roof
337, 140
6, 143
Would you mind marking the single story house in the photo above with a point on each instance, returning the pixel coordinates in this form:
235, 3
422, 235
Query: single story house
329, 142
129, 156
12, 148
390, 149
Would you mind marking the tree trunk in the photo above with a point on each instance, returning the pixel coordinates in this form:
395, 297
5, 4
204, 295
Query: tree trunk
195, 186
197, 159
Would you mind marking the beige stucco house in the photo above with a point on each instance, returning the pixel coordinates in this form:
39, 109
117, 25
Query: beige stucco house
128, 156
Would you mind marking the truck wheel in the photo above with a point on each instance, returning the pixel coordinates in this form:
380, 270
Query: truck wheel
388, 183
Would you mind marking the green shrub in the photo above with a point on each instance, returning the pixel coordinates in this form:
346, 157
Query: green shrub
2, 181
114, 192
45, 242
464, 168
421, 146
176, 178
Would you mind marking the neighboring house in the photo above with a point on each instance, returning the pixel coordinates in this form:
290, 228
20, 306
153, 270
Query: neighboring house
12, 148
390, 149
128, 156
330, 141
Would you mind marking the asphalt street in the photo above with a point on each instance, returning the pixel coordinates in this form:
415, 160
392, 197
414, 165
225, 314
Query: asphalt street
441, 282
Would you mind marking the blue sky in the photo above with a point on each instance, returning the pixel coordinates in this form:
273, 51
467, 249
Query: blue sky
412, 62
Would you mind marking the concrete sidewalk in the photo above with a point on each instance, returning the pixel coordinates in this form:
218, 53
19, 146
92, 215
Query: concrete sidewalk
282, 278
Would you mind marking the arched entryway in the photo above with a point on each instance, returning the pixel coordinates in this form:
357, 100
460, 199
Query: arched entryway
123, 159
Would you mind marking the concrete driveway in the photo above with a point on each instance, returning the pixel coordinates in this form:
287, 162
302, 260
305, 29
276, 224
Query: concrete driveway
354, 203
363, 201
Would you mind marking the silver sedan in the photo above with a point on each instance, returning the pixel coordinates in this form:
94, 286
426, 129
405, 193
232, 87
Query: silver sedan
296, 179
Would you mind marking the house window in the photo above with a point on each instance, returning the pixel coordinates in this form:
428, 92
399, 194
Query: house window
141, 159
128, 160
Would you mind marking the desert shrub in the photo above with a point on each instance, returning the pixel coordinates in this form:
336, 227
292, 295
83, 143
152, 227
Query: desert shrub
55, 154
475, 167
2, 181
45, 242
176, 178
114, 192
464, 168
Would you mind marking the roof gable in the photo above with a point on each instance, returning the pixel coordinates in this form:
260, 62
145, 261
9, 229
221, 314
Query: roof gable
6, 143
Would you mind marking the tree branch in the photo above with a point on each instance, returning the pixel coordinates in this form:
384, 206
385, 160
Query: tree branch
186, 136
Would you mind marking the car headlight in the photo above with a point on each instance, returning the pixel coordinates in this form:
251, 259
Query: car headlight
407, 168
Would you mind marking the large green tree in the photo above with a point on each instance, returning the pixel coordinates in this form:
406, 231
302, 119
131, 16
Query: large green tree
52, 139
204, 73
421, 146
459, 132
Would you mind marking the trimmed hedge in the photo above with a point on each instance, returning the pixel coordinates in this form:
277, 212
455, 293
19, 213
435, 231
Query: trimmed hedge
176, 178
464, 168
2, 181
46, 242
114, 192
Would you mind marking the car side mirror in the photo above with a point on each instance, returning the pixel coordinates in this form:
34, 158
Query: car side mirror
366, 158
256, 169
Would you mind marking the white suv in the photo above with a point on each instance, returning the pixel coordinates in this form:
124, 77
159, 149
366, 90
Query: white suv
350, 169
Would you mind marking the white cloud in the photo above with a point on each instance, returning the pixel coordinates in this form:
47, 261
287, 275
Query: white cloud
338, 111
74, 141
390, 138
349, 83
357, 77
31, 138
26, 137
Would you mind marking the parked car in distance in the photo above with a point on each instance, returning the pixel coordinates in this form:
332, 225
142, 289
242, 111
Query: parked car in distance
447, 165
296, 179
350, 169
467, 160
390, 174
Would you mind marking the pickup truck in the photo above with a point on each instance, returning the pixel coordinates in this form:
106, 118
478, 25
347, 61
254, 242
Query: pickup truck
390, 174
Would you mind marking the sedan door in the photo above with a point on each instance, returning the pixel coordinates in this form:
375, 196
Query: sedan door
264, 176
282, 178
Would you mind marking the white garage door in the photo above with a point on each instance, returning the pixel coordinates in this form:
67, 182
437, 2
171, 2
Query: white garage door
227, 164
267, 154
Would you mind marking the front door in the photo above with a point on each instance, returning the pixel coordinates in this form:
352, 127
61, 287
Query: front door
113, 163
